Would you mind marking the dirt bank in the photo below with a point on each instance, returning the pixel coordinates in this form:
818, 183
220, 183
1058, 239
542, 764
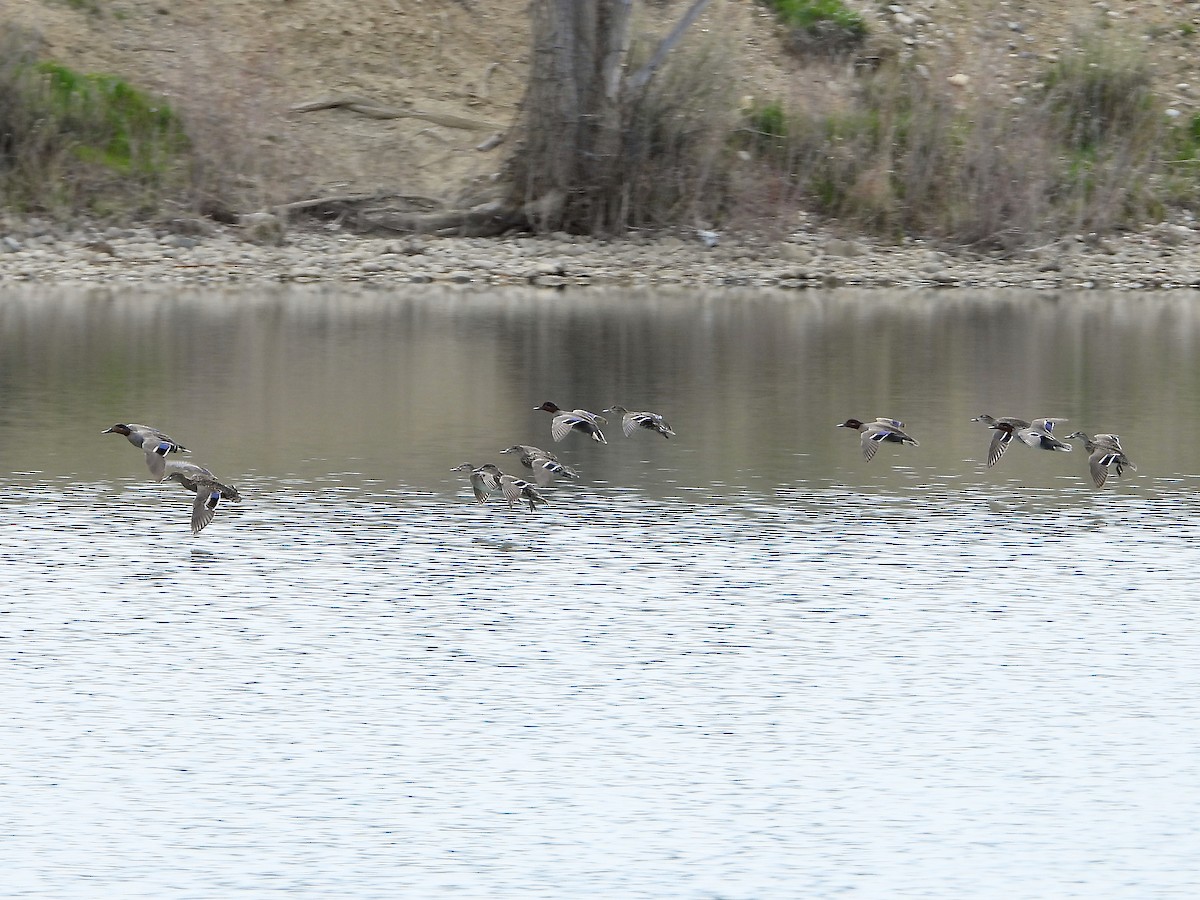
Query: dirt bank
237, 69
456, 69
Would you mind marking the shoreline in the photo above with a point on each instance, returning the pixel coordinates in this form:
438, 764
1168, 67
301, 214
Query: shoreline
196, 251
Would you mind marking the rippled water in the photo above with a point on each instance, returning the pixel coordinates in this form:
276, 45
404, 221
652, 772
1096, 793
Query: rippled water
739, 663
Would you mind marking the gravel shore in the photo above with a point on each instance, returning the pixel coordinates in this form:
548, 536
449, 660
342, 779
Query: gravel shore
195, 251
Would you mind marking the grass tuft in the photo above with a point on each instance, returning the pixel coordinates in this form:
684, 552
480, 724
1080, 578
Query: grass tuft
823, 27
906, 154
73, 142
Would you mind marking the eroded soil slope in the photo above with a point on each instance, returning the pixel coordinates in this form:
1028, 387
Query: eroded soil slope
237, 69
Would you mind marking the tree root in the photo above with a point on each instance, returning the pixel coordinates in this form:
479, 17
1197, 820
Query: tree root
395, 213
485, 220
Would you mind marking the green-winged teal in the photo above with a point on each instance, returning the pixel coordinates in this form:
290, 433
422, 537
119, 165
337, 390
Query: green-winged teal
154, 443
516, 489
485, 479
632, 421
209, 491
1005, 427
576, 419
877, 432
542, 463
1103, 450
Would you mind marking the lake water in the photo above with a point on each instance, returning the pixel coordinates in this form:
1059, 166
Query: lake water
742, 662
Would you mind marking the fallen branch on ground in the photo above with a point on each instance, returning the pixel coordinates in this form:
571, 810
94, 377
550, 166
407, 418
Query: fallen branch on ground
373, 213
377, 111
342, 202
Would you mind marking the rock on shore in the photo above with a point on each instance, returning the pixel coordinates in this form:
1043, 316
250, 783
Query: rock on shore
195, 251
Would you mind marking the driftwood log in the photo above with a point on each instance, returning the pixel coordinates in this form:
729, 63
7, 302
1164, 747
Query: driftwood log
384, 212
375, 110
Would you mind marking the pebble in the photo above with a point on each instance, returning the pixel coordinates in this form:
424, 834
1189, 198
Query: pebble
1160, 256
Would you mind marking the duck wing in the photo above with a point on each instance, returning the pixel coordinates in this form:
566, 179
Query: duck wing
1107, 456
592, 417
888, 430
560, 426
563, 423
205, 506
545, 468
1000, 442
542, 470
156, 462
514, 489
554, 464
1098, 466
631, 422
483, 484
869, 445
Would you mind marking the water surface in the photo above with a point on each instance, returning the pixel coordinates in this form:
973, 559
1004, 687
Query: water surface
739, 663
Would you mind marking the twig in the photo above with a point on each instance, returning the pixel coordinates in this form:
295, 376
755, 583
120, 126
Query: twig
639, 78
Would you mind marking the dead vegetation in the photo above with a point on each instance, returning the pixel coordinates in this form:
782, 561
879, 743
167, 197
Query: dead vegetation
870, 138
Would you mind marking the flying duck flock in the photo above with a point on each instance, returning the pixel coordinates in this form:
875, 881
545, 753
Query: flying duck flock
1104, 453
158, 446
544, 465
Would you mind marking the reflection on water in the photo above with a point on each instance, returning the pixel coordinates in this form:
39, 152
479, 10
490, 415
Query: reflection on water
742, 662
393, 386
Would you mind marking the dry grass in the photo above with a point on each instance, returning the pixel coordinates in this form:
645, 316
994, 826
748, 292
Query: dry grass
675, 167
240, 159
892, 151
1084, 151
74, 143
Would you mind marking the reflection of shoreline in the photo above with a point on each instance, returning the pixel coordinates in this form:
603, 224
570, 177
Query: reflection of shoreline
1160, 256
398, 385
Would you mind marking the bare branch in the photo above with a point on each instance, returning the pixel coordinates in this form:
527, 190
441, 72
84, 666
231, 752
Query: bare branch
639, 79
610, 65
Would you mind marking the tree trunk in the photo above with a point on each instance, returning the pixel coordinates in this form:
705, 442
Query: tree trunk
573, 170
572, 123
588, 160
